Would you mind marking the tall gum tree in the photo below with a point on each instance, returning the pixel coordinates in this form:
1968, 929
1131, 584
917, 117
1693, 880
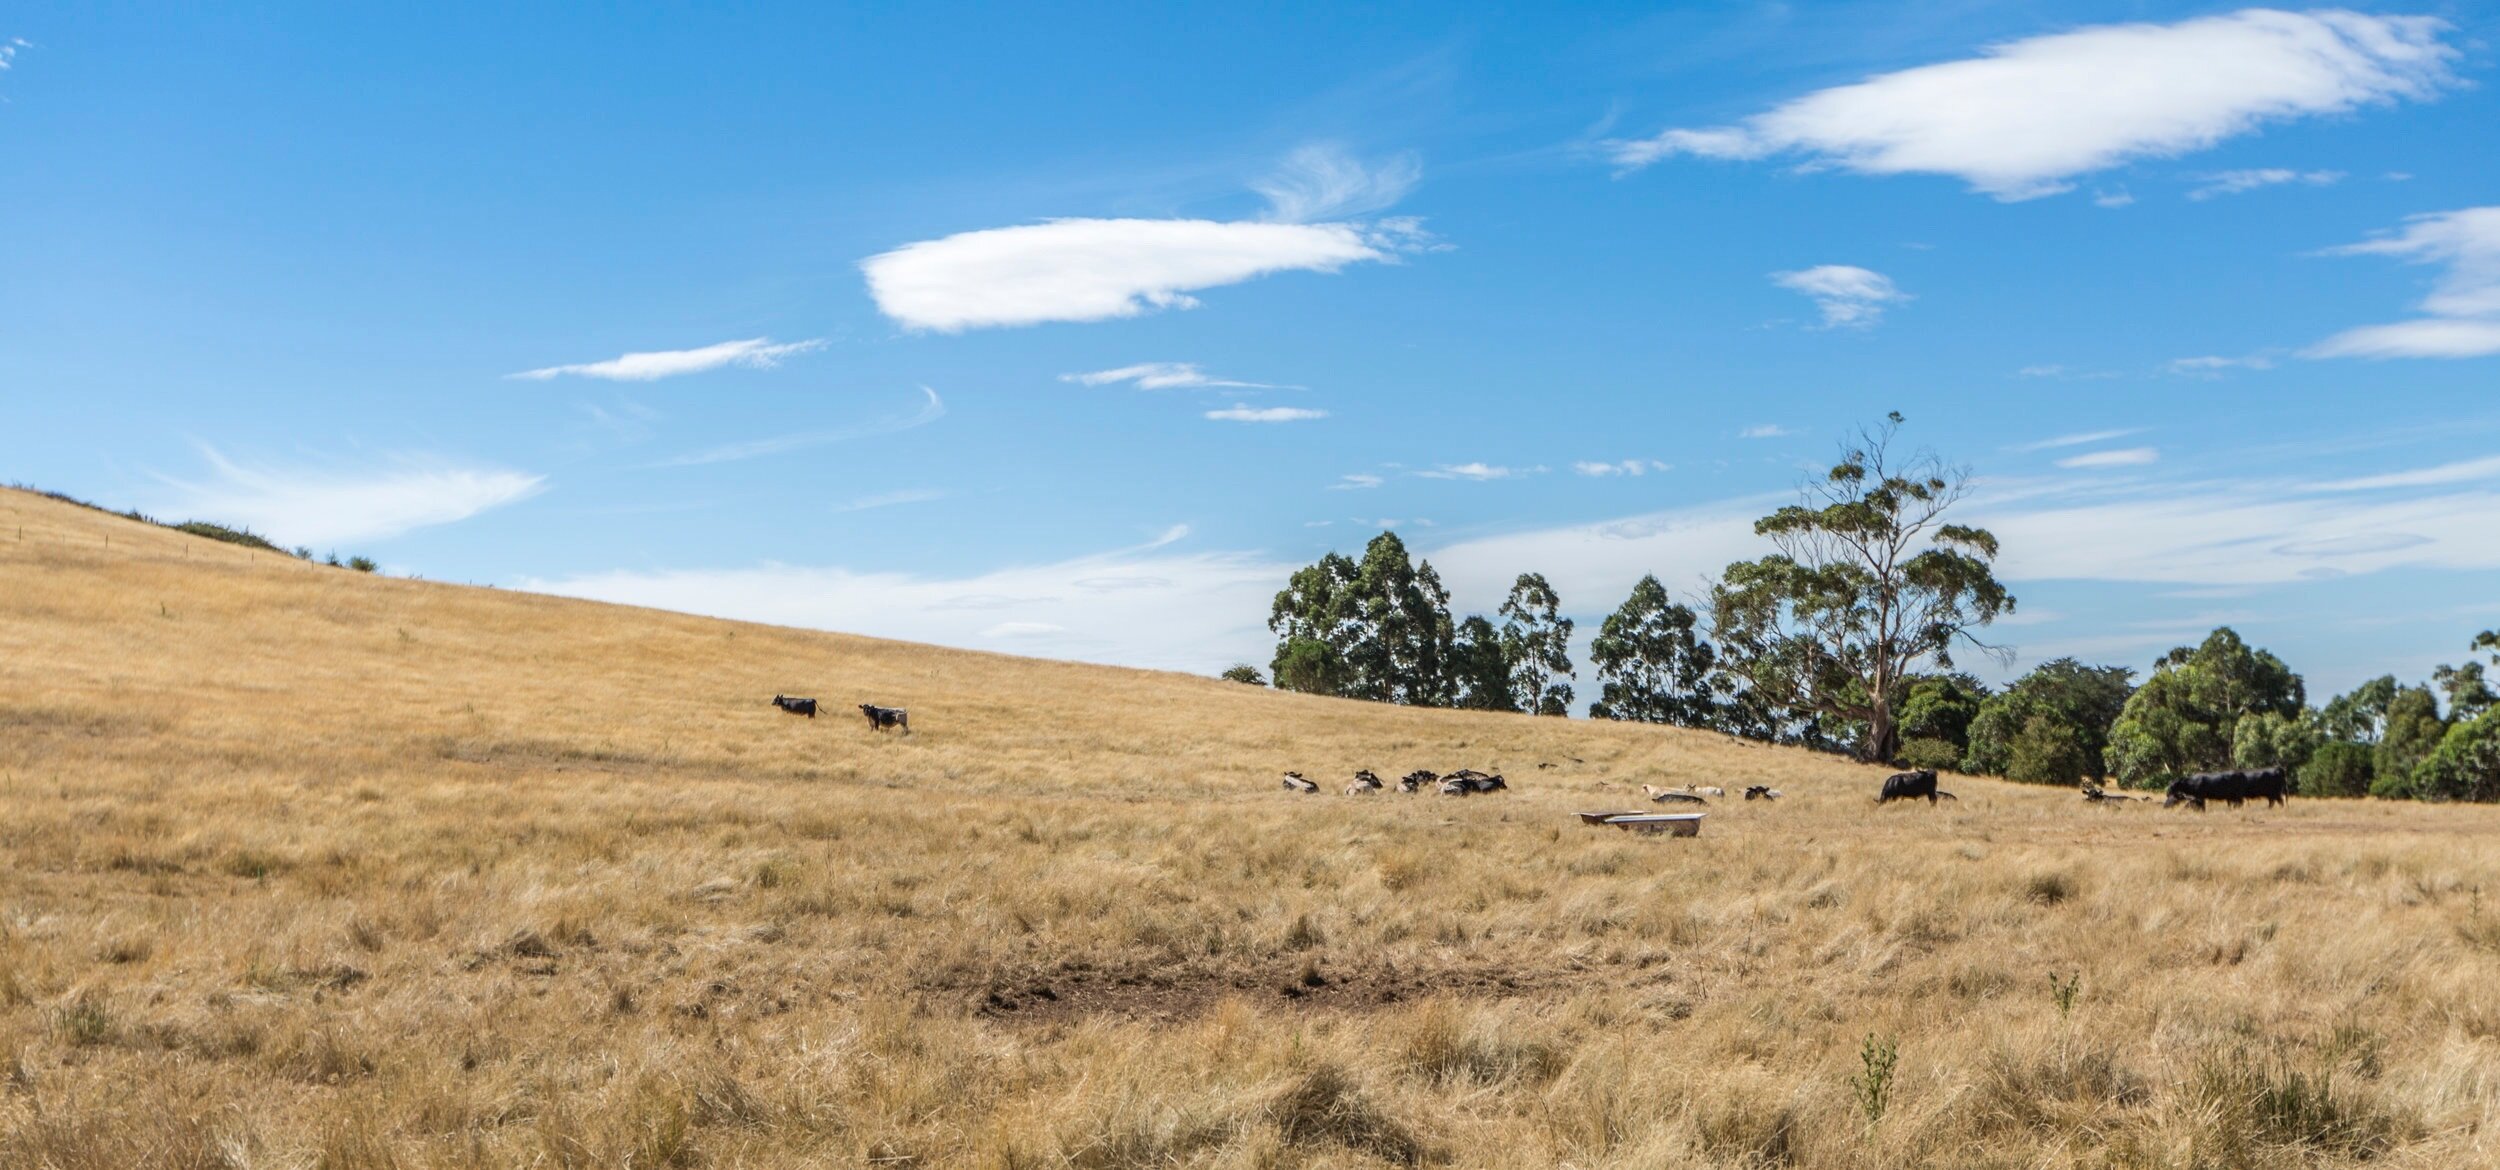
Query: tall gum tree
1870, 586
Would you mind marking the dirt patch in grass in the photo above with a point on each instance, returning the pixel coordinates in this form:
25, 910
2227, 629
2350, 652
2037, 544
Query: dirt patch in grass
1077, 991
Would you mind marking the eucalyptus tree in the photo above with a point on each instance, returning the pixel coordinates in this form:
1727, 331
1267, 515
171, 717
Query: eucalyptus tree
1652, 665
1537, 640
1870, 586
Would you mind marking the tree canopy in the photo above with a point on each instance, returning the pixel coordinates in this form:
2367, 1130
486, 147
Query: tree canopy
1870, 585
1652, 666
2186, 717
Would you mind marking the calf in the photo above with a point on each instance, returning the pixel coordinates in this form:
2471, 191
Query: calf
880, 718
1911, 786
795, 705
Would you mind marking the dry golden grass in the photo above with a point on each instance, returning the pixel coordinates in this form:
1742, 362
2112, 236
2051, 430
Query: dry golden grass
310, 869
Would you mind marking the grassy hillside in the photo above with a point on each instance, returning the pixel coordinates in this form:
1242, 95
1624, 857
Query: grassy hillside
307, 868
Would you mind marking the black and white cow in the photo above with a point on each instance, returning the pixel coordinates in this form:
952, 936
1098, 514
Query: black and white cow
880, 718
795, 705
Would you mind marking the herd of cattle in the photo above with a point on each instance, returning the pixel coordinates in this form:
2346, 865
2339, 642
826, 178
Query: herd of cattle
2234, 788
1464, 782
879, 718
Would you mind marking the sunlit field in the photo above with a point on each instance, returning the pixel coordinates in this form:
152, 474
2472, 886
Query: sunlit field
307, 868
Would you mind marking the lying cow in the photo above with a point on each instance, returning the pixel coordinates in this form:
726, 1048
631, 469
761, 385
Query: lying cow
1364, 783
796, 705
1671, 795
1416, 780
1911, 786
1295, 783
880, 718
1761, 792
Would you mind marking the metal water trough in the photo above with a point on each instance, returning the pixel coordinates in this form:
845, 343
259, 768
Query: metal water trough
1671, 824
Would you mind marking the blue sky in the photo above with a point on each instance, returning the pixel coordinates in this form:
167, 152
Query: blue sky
1070, 331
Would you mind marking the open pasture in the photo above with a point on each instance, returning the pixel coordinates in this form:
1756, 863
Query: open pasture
305, 868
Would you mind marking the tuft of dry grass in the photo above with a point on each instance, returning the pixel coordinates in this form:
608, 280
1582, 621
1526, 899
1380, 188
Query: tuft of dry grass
314, 869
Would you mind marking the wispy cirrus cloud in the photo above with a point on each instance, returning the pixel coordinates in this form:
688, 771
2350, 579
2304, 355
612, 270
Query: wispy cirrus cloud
9, 50
2122, 457
1599, 469
1324, 181
1103, 269
756, 353
1163, 376
2213, 366
1765, 431
2465, 471
932, 408
2079, 438
1478, 472
870, 503
1265, 414
1151, 605
2463, 310
1848, 296
2220, 183
324, 506
1356, 481
2025, 118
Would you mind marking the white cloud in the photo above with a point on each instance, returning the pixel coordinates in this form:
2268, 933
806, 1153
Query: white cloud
1264, 414
2079, 439
1850, 297
2236, 182
1099, 269
932, 408
2211, 366
1162, 376
1765, 431
1322, 181
2113, 199
2123, 457
1144, 606
890, 499
321, 507
1478, 472
2464, 305
758, 353
1626, 467
2467, 471
8, 51
2023, 119
1355, 481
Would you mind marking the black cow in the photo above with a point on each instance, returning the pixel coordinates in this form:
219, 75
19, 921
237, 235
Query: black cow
1911, 786
2232, 788
880, 718
795, 705
1417, 780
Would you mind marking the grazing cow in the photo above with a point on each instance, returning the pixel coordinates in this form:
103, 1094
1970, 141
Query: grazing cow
880, 718
1295, 783
1670, 795
795, 705
2233, 788
1911, 786
1415, 781
1761, 792
1364, 782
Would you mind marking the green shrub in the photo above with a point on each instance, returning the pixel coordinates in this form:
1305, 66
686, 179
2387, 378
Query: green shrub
2341, 768
1930, 753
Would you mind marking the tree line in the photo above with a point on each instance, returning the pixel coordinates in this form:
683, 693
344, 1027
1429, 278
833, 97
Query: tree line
1844, 639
